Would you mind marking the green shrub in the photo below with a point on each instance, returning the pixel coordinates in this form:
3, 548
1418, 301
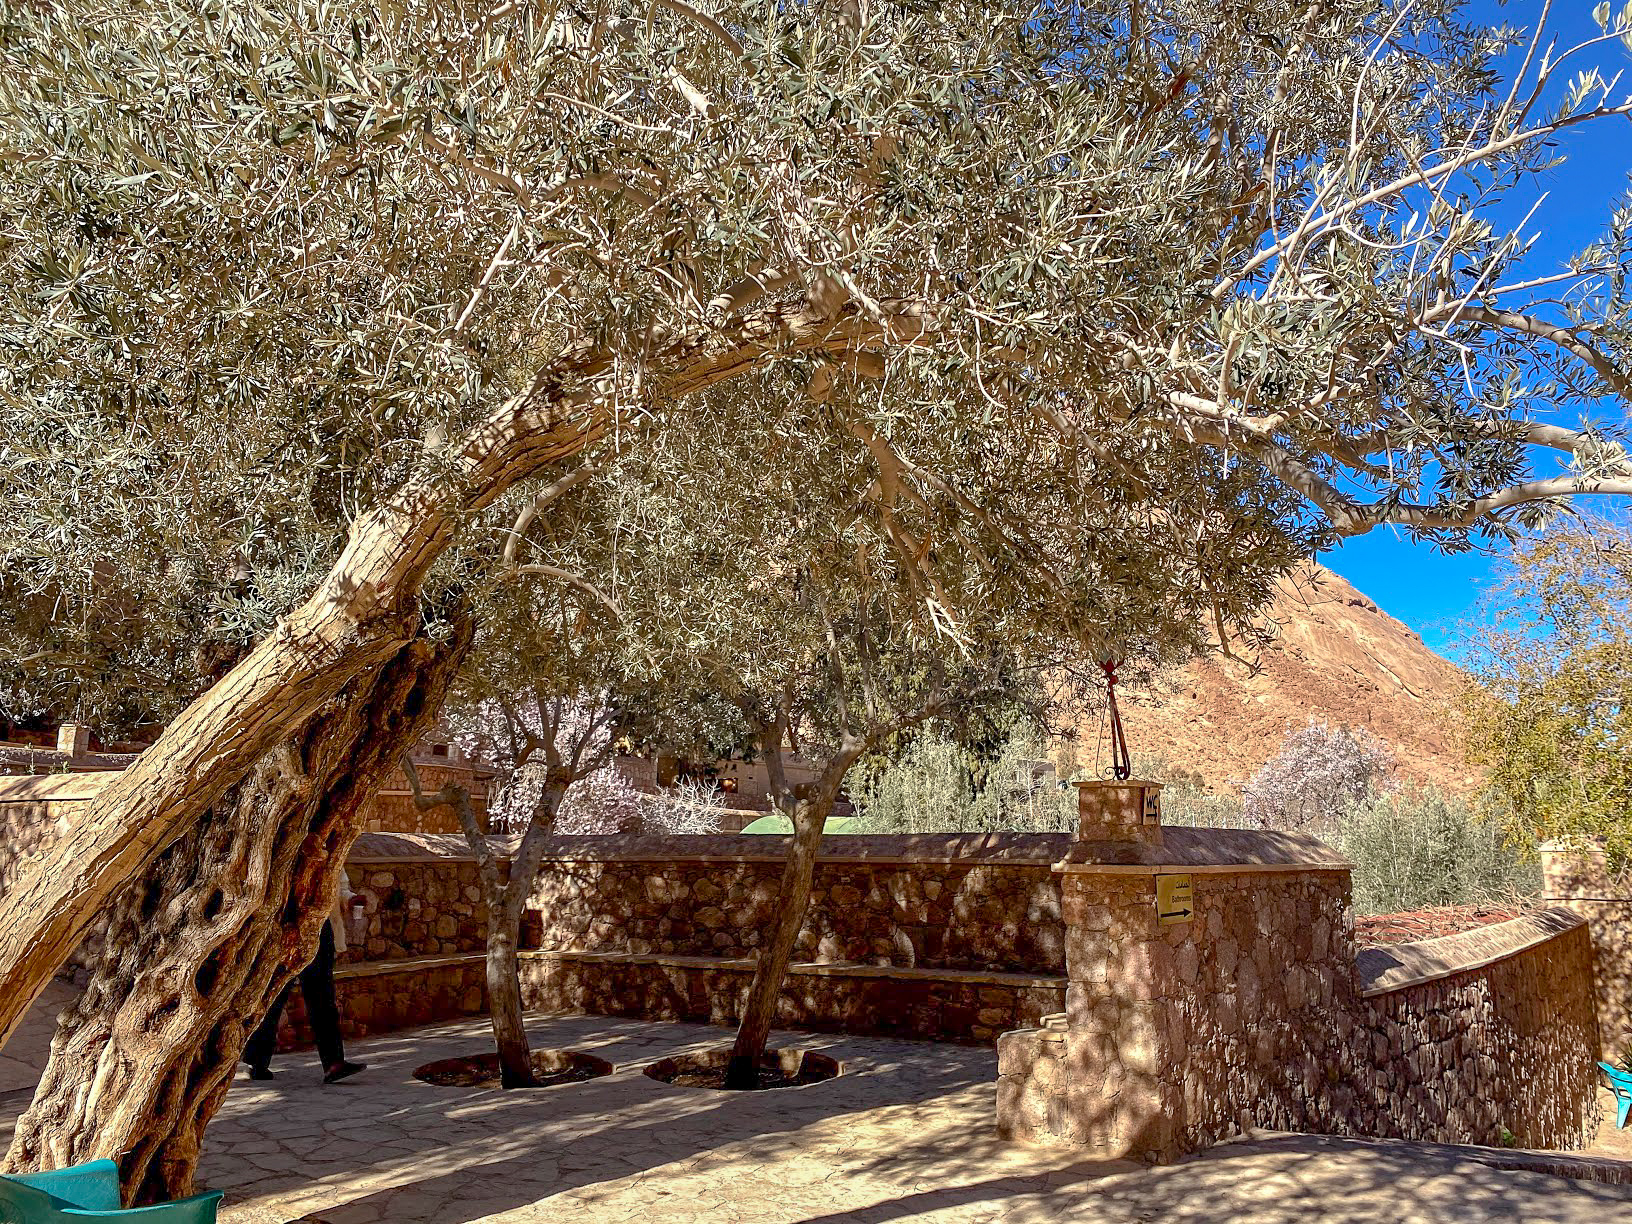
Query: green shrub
1416, 848
938, 786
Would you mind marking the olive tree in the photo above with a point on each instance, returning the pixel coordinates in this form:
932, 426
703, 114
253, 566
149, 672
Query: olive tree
536, 698
298, 297
817, 599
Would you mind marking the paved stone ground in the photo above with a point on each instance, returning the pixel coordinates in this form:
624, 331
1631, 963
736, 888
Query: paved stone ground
904, 1135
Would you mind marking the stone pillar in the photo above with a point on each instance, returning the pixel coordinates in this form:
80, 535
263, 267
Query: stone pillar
1104, 1077
1575, 875
73, 739
1125, 811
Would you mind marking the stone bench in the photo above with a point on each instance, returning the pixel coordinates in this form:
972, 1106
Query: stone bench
931, 1004
963, 1005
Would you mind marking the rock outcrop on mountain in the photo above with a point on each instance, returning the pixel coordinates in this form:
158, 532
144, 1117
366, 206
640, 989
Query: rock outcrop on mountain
1337, 658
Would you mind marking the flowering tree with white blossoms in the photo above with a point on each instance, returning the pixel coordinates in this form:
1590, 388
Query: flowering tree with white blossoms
1320, 774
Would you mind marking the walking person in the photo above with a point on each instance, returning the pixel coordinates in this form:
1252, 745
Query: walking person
317, 988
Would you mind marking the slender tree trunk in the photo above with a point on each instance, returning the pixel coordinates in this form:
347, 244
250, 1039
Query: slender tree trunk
506, 905
200, 946
504, 1007
792, 900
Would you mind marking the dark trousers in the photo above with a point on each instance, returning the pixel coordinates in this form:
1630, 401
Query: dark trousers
317, 986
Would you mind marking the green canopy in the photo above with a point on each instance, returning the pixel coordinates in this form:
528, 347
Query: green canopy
778, 823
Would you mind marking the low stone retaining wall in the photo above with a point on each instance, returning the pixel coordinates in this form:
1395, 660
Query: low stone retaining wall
1487, 1037
383, 996
959, 947
948, 901
1176, 1036
422, 894
35, 811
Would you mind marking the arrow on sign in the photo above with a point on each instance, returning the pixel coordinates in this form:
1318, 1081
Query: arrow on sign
1184, 913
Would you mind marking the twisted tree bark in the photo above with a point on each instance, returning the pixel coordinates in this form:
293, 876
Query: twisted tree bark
199, 947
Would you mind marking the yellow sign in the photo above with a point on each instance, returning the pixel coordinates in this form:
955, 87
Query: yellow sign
1173, 902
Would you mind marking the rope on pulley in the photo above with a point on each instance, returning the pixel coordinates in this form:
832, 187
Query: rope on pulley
1121, 763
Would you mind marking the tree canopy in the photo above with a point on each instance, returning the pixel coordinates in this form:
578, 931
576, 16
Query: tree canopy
265, 265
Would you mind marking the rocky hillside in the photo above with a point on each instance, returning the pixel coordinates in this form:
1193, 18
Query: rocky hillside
1338, 658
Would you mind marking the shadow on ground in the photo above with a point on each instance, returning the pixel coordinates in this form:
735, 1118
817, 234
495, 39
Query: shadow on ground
904, 1135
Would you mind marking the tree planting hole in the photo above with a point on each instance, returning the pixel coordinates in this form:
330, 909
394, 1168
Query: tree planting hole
777, 1069
550, 1068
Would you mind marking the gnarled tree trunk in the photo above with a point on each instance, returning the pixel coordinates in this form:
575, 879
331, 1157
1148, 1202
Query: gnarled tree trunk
363, 612
199, 948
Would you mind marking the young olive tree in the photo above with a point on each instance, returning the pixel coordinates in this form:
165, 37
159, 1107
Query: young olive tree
554, 744
858, 692
314, 292
537, 700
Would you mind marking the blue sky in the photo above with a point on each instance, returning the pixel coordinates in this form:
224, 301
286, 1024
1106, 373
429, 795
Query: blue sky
1429, 591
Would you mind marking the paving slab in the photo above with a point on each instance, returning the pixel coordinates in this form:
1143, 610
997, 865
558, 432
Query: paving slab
904, 1135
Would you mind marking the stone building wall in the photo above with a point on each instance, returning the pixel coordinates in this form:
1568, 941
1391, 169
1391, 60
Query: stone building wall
392, 809
1576, 876
40, 797
953, 901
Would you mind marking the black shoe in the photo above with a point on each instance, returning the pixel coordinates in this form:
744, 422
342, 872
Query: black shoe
260, 1073
341, 1070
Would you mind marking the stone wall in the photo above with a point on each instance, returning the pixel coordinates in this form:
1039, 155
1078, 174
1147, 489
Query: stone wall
1259, 1017
1176, 1036
35, 811
382, 997
952, 937
424, 907
1245, 1006
392, 809
39, 798
1484, 1037
878, 1001
952, 901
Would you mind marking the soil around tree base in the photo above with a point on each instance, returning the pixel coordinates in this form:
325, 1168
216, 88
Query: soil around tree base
550, 1068
777, 1069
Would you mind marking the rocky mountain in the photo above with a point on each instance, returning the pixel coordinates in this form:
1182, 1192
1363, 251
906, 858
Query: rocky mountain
1337, 658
